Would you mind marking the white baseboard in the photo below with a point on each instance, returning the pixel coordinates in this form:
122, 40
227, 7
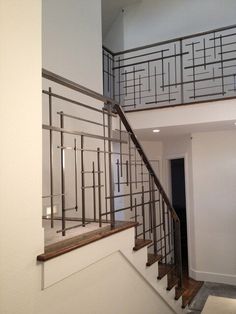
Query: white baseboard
213, 277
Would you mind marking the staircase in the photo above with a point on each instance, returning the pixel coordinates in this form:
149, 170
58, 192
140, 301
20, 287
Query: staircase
113, 180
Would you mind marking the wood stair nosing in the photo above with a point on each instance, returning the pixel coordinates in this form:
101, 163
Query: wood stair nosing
140, 243
172, 282
153, 258
164, 269
178, 292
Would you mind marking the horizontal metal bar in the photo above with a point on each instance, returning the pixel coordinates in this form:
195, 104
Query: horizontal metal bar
73, 227
77, 87
125, 208
199, 80
72, 101
91, 186
151, 60
209, 63
143, 55
68, 209
128, 194
56, 129
81, 119
132, 182
49, 196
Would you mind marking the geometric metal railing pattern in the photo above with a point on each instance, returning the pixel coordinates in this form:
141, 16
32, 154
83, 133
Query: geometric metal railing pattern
96, 170
196, 68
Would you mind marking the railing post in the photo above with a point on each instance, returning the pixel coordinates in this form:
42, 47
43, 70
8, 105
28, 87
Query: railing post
111, 181
181, 70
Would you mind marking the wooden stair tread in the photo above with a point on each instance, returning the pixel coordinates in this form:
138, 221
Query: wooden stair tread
153, 258
140, 243
172, 280
164, 269
191, 288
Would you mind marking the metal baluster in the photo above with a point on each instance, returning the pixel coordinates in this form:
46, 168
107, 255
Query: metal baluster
82, 180
118, 174
111, 181
105, 161
143, 214
154, 216
51, 158
76, 175
63, 177
99, 188
130, 176
94, 193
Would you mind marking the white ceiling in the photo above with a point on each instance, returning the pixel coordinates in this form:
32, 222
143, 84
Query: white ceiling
110, 10
183, 130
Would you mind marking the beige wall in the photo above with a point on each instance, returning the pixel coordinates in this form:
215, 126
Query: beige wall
21, 237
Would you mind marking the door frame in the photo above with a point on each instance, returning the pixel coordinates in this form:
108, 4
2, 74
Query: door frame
167, 176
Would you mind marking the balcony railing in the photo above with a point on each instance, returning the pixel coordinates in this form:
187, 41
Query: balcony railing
186, 70
95, 171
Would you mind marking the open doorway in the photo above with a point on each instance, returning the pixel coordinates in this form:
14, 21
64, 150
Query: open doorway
178, 195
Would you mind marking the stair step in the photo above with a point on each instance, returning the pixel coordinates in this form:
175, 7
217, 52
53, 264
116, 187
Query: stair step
153, 258
140, 243
164, 269
191, 288
178, 292
172, 280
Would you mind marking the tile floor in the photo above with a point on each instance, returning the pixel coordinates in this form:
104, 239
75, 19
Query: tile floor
214, 289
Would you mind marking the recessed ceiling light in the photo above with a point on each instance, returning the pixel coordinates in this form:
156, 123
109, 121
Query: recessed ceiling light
234, 123
156, 131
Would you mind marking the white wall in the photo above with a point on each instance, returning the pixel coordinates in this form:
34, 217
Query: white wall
21, 234
150, 21
72, 44
224, 110
214, 184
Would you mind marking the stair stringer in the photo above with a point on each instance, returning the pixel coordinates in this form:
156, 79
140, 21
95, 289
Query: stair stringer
138, 260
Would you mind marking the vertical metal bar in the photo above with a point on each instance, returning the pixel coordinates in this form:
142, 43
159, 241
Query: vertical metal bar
164, 228
143, 213
118, 174
160, 219
140, 92
149, 78
82, 180
99, 188
108, 73
121, 151
94, 193
154, 216
127, 172
76, 175
119, 78
125, 83
103, 72
169, 88
194, 77
162, 71
135, 213
155, 76
135, 169
214, 41
62, 177
105, 160
175, 65
134, 79
51, 158
222, 65
130, 176
150, 207
111, 188
181, 71
204, 52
